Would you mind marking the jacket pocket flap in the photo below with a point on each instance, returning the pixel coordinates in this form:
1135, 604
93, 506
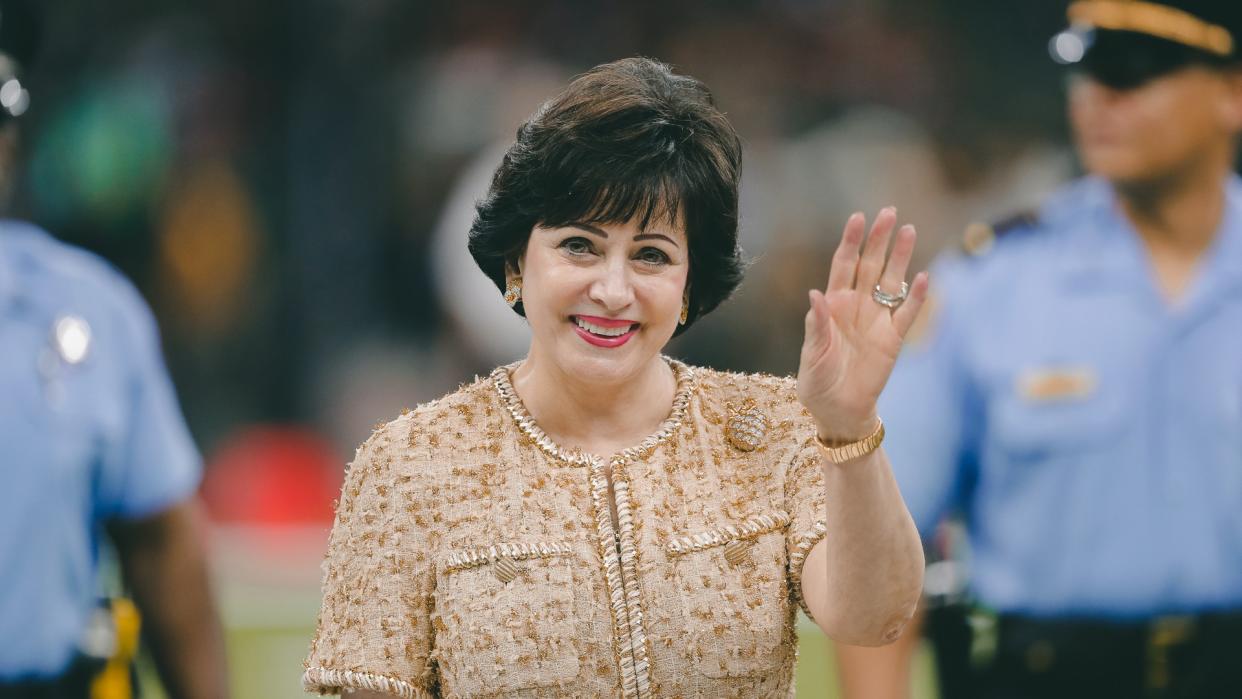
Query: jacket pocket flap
748, 529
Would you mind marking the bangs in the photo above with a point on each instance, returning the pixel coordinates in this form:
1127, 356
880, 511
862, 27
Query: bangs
633, 165
656, 198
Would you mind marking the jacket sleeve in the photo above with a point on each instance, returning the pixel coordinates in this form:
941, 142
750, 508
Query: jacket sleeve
374, 630
805, 494
807, 503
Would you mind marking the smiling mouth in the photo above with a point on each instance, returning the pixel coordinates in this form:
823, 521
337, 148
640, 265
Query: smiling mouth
609, 330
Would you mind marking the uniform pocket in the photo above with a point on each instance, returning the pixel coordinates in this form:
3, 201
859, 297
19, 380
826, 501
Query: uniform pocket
732, 583
1028, 419
505, 618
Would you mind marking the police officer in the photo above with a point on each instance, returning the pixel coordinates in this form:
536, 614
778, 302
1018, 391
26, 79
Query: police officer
91, 440
1077, 393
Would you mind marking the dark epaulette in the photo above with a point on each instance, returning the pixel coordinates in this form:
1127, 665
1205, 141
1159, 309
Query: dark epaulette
978, 238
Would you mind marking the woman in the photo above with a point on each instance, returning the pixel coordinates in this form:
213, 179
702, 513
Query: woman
601, 520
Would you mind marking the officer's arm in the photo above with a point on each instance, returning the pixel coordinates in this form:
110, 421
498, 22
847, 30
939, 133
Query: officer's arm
163, 562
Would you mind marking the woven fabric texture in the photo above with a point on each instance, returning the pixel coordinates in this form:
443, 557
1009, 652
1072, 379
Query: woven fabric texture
473, 557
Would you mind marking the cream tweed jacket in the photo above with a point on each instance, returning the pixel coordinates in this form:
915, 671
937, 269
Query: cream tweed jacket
473, 557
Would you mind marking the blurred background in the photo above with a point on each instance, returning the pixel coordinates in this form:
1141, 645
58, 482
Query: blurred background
290, 185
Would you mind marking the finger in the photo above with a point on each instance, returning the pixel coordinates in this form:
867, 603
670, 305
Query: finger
819, 331
906, 314
872, 260
895, 271
845, 259
812, 324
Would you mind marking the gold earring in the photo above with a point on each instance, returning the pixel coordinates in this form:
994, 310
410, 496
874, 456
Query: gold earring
513, 291
685, 311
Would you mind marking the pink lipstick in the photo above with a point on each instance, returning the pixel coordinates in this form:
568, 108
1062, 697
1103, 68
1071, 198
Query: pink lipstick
604, 332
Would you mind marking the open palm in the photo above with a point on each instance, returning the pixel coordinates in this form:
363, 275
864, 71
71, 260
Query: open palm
852, 340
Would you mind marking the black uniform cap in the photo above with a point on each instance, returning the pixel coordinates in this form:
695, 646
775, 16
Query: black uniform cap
1125, 43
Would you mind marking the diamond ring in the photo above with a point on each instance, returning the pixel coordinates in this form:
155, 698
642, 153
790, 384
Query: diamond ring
891, 301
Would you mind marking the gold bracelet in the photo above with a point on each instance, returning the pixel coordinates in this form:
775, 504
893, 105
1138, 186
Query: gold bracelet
839, 454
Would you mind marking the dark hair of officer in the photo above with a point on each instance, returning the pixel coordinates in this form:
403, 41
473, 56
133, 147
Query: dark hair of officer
629, 140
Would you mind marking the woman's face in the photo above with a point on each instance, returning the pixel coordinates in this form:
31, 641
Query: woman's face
603, 300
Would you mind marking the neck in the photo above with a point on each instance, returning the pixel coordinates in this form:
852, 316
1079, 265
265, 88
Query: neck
597, 416
1176, 215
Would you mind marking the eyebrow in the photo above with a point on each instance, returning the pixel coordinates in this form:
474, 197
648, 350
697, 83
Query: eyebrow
604, 234
660, 236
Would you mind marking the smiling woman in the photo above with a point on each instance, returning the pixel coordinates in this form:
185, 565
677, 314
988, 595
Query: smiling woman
599, 519
629, 142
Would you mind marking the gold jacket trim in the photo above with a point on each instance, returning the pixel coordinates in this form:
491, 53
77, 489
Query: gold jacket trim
620, 568
471, 558
321, 680
526, 423
751, 528
797, 559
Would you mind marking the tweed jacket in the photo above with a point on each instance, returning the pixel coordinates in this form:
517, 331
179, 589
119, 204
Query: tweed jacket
473, 557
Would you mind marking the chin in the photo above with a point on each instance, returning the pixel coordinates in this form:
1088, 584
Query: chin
1115, 166
607, 365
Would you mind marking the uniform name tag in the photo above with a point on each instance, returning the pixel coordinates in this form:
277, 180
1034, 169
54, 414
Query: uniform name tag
1060, 383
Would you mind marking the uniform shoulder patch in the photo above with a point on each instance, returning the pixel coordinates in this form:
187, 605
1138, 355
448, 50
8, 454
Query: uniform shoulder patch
979, 237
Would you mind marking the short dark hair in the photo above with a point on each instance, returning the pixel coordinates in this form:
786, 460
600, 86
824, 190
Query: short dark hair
628, 140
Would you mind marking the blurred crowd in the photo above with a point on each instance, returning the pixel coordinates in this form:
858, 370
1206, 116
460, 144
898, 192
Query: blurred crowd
290, 187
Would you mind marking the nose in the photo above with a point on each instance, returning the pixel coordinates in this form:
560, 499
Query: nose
613, 289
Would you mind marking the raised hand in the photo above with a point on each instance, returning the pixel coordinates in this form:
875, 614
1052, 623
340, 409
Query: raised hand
852, 339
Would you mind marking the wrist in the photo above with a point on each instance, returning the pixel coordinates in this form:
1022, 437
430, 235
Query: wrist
840, 453
840, 433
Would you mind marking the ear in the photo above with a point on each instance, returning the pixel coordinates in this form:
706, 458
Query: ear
514, 265
1231, 104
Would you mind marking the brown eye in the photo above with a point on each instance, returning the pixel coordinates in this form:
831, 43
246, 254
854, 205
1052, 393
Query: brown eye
653, 256
576, 246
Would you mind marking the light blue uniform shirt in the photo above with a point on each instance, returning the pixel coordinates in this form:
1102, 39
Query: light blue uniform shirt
1089, 431
79, 443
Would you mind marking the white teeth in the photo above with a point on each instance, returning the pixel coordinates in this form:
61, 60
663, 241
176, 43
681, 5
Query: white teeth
597, 330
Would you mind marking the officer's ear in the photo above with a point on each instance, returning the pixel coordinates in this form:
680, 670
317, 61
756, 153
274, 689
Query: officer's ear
1231, 106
